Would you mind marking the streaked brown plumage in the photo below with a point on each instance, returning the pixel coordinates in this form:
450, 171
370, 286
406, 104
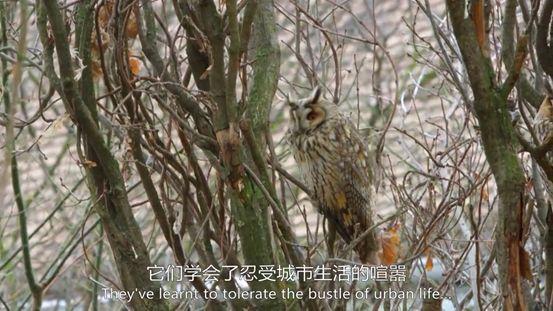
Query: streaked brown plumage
543, 126
336, 167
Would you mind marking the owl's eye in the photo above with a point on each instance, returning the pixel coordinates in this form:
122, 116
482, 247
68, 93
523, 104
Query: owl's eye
311, 116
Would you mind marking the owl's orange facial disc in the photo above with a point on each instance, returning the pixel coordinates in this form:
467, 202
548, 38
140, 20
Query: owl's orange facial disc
311, 116
316, 116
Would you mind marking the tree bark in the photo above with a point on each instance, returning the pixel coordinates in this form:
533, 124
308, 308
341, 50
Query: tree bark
123, 233
497, 134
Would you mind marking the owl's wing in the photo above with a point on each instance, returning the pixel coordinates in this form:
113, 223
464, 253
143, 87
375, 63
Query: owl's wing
352, 192
337, 219
358, 181
543, 126
543, 122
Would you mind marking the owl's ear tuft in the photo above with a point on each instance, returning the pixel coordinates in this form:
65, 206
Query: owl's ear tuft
315, 95
289, 102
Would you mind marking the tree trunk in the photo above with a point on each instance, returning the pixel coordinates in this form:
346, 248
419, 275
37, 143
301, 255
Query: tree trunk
490, 107
123, 233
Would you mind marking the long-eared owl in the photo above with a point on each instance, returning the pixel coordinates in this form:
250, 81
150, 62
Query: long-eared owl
336, 167
543, 125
